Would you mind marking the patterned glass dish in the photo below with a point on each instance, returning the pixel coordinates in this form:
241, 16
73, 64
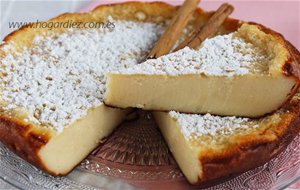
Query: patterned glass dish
136, 156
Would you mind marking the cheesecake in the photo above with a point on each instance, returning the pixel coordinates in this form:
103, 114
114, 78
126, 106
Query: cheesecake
53, 83
248, 73
209, 147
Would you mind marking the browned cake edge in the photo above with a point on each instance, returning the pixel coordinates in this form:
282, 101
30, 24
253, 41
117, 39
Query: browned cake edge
23, 140
252, 152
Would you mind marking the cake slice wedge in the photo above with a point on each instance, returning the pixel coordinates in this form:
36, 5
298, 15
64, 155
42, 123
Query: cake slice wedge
209, 148
249, 73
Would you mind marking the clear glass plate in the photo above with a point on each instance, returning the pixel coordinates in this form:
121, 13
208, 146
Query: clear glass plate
136, 156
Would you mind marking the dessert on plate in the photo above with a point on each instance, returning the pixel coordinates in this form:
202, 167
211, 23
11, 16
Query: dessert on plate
53, 84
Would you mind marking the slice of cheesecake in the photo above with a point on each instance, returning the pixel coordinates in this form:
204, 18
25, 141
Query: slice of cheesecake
249, 72
52, 82
208, 147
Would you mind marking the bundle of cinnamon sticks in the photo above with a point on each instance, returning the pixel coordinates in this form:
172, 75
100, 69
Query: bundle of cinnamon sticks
179, 22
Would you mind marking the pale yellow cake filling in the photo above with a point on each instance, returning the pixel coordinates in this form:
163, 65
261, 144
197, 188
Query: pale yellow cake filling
65, 150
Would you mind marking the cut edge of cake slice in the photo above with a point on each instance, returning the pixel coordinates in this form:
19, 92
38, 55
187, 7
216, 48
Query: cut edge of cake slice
58, 153
259, 81
209, 148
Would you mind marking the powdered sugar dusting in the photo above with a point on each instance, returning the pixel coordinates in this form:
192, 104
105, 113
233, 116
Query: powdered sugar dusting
223, 55
196, 125
62, 76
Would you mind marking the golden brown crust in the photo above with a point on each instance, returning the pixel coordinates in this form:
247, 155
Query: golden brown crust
290, 68
22, 140
295, 55
25, 141
250, 153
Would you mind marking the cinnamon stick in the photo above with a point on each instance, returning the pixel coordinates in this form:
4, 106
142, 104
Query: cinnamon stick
172, 33
209, 28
